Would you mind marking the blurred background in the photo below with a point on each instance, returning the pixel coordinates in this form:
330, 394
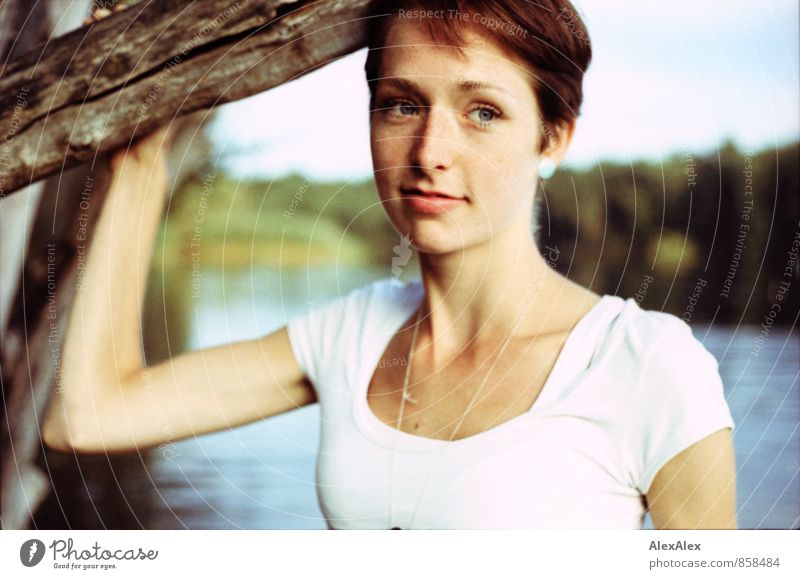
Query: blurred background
683, 103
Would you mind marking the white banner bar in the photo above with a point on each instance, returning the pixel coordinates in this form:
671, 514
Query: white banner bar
386, 554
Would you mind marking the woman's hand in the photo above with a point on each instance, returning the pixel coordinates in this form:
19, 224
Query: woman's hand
144, 154
149, 151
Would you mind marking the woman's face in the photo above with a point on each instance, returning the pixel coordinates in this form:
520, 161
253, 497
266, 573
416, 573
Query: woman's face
463, 125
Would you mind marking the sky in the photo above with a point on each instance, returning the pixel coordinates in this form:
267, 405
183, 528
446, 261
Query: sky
666, 76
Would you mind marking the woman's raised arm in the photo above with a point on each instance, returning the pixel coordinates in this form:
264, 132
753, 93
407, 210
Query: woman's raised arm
107, 401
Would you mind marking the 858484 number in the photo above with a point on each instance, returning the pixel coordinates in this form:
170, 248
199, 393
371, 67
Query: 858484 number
758, 562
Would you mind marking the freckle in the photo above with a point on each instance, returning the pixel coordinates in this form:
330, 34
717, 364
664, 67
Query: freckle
416, 425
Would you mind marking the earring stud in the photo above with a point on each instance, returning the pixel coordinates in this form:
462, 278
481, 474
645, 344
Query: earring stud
546, 168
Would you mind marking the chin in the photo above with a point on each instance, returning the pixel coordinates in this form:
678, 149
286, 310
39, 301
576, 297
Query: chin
436, 237
432, 234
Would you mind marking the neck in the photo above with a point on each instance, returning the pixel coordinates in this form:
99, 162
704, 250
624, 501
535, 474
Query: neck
486, 293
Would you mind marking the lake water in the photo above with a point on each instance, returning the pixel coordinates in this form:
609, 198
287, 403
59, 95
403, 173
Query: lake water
261, 476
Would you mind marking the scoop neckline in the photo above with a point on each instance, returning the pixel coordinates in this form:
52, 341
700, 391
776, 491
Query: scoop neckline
378, 431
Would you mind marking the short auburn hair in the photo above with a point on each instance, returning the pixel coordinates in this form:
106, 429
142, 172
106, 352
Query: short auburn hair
549, 36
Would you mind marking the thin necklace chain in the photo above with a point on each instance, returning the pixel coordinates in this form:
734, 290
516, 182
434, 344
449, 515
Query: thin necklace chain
402, 408
406, 397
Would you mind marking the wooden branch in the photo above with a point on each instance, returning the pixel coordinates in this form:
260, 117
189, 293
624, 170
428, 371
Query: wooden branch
96, 88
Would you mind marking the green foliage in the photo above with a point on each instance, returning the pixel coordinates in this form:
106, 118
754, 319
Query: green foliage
687, 220
289, 221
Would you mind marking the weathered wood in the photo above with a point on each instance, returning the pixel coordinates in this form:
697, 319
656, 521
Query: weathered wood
26, 357
94, 89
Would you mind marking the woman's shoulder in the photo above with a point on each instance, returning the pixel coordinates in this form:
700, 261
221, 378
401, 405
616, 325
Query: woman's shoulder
667, 358
650, 349
619, 326
644, 330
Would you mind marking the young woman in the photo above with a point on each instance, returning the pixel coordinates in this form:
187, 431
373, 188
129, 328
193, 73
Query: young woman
492, 393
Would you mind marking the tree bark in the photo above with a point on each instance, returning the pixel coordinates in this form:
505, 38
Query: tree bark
94, 89
25, 370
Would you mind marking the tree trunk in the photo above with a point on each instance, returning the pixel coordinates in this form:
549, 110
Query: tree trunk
23, 356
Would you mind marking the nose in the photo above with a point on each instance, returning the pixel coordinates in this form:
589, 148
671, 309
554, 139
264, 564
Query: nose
434, 143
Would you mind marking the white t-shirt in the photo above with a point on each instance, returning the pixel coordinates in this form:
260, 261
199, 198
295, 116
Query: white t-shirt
630, 389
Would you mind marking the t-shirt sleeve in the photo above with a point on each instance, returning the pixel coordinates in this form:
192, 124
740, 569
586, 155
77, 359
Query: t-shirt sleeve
324, 336
678, 401
305, 337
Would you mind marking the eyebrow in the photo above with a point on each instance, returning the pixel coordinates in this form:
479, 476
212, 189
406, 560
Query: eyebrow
464, 85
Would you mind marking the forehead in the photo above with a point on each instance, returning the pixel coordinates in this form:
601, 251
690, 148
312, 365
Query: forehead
411, 50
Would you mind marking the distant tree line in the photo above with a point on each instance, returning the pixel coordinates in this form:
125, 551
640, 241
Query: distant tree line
707, 237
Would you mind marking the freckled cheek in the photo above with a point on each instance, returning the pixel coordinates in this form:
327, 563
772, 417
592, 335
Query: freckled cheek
387, 174
387, 149
517, 168
383, 183
501, 190
388, 161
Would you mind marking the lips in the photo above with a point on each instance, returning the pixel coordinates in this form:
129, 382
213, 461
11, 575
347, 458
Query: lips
431, 202
433, 194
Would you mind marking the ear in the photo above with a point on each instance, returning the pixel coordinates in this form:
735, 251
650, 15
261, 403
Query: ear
557, 149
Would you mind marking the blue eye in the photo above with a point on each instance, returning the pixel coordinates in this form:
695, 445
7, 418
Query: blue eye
400, 107
407, 108
485, 115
